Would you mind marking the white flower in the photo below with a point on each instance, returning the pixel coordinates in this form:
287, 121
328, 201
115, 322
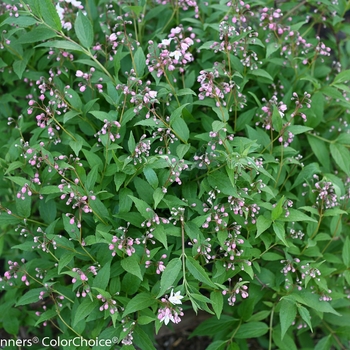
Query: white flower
74, 3
176, 54
176, 30
152, 94
167, 316
60, 11
166, 42
175, 298
113, 37
67, 25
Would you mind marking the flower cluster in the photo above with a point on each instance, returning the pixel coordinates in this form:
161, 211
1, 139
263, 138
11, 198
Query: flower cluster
239, 289
123, 244
172, 53
12, 273
168, 312
212, 89
108, 304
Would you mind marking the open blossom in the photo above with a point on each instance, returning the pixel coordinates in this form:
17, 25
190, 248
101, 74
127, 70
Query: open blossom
175, 298
168, 314
176, 54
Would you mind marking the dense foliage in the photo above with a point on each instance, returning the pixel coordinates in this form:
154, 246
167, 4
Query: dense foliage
165, 155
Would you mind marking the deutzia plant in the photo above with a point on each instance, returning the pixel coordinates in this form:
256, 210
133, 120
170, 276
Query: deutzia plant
165, 158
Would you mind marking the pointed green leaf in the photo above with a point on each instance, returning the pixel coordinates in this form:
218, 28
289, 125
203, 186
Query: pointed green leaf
288, 312
151, 176
50, 15
169, 275
320, 150
278, 209
143, 208
346, 252
131, 265
83, 30
198, 272
62, 44
278, 228
140, 62
305, 315
262, 225
32, 296
84, 309
217, 302
139, 302
341, 155
181, 129
251, 330
102, 278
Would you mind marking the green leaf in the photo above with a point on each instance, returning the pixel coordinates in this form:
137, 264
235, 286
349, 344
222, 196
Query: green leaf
278, 209
312, 300
169, 275
182, 149
32, 296
160, 235
298, 129
19, 67
102, 278
278, 228
65, 259
83, 30
296, 215
181, 129
50, 15
288, 342
62, 44
151, 176
306, 173
346, 252
305, 315
320, 150
271, 48
140, 62
84, 309
325, 343
158, 195
8, 219
277, 119
261, 73
198, 272
76, 146
143, 208
47, 315
341, 155
91, 178
262, 224
269, 256
139, 302
141, 338
39, 33
24, 206
99, 209
251, 330
288, 312
131, 265
217, 302
222, 113
342, 77
131, 143
21, 21
48, 210
50, 189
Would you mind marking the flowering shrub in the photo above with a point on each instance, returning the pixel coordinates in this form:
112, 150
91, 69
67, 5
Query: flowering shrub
161, 156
